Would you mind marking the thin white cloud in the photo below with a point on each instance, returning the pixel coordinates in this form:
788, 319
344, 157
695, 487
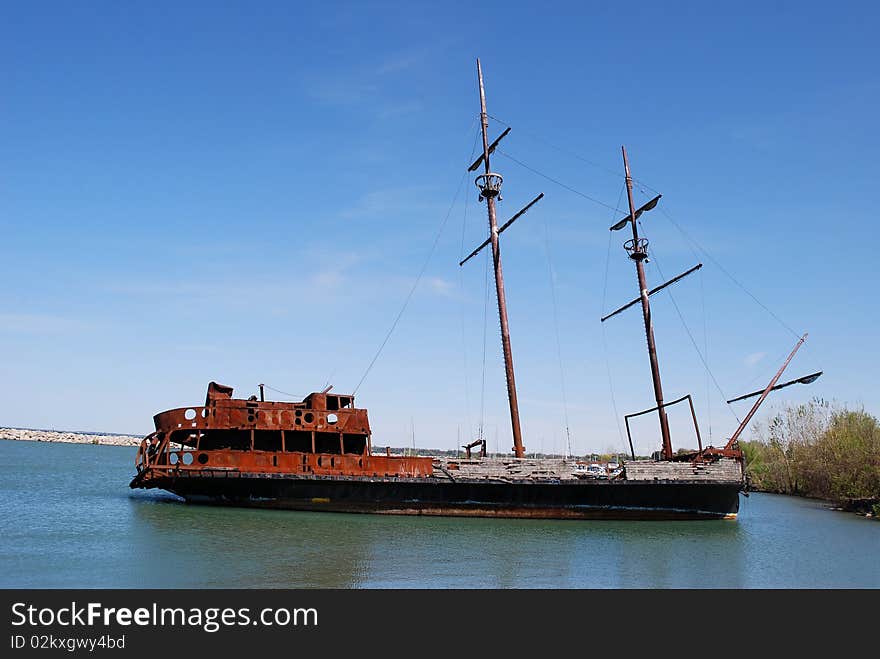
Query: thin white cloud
39, 323
440, 286
387, 202
368, 87
402, 61
342, 91
754, 358
399, 109
160, 288
326, 281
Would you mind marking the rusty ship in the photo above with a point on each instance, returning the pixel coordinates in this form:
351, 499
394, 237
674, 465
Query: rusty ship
316, 454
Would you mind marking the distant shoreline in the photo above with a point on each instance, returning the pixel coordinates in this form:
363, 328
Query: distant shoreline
68, 437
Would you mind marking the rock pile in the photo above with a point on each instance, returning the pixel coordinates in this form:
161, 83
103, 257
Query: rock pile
28, 435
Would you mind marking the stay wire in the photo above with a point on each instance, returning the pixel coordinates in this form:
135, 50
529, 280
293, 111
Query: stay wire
556, 328
692, 244
605, 338
766, 373
415, 284
729, 276
284, 393
706, 352
485, 342
467, 396
557, 182
612, 172
645, 187
691, 336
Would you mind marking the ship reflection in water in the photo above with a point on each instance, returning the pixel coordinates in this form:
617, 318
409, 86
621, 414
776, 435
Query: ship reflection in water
268, 548
259, 548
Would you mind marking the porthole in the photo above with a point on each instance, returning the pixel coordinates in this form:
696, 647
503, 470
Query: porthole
203, 458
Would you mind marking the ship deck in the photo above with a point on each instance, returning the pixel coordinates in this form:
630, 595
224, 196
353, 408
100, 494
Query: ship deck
556, 469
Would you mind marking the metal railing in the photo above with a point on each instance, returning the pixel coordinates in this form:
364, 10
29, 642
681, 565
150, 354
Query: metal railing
686, 397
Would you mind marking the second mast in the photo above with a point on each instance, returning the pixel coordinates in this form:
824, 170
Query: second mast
490, 188
638, 252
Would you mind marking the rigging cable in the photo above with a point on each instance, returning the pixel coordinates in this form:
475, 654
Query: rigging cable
693, 245
692, 242
729, 276
416, 283
467, 397
765, 374
644, 186
604, 337
557, 182
485, 334
558, 341
613, 172
486, 295
681, 317
284, 393
706, 352
691, 336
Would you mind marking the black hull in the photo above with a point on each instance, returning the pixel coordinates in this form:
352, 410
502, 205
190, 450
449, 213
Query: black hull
581, 499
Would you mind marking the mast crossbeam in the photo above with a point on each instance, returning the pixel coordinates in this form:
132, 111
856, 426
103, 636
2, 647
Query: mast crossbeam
656, 289
503, 227
806, 379
476, 164
649, 206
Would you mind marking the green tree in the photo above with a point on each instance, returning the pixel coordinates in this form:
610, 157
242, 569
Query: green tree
816, 449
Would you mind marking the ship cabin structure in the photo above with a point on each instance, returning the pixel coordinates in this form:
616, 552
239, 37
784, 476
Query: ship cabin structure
324, 435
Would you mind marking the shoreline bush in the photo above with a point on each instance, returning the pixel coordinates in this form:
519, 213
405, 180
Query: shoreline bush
816, 449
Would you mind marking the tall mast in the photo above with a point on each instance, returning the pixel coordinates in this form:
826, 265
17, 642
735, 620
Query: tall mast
638, 252
490, 187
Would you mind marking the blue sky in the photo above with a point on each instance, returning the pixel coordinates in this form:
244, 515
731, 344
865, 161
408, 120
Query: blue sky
246, 192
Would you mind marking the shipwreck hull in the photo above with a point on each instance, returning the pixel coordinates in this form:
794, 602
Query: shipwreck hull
582, 499
317, 455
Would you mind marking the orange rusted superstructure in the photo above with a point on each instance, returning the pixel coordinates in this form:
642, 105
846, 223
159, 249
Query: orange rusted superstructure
324, 435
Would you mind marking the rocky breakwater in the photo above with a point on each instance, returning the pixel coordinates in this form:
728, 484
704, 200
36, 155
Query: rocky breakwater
29, 435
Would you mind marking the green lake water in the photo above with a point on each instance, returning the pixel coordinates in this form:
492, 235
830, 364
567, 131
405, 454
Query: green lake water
69, 520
